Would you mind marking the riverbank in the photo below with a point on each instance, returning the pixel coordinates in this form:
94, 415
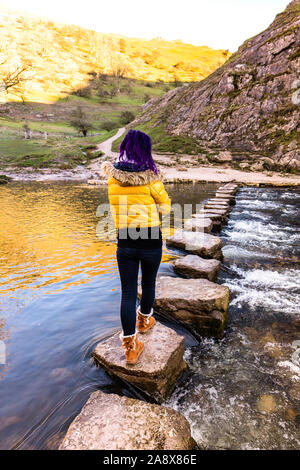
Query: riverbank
171, 173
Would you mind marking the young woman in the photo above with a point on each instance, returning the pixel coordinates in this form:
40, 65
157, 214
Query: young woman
137, 197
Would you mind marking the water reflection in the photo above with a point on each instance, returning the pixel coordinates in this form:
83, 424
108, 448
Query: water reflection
59, 295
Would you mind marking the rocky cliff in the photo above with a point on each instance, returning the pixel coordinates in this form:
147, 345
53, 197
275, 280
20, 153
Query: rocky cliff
248, 107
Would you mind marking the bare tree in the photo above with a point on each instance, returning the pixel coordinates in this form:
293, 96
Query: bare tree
13, 78
80, 121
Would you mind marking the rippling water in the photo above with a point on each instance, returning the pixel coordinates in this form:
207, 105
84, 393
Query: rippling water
243, 392
59, 295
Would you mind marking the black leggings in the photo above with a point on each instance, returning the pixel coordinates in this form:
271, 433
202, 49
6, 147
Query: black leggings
129, 260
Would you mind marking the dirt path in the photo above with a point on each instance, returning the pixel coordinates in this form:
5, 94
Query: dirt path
202, 173
214, 174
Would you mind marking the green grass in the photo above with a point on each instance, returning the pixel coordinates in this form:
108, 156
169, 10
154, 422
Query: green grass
36, 153
64, 148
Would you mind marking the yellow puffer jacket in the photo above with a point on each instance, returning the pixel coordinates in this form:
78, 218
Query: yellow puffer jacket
135, 197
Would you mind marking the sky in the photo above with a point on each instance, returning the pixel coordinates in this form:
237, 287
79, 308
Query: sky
221, 24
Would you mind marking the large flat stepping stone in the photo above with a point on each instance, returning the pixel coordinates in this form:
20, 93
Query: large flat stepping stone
111, 422
208, 214
158, 367
197, 303
227, 191
213, 207
221, 211
197, 267
198, 225
202, 244
226, 198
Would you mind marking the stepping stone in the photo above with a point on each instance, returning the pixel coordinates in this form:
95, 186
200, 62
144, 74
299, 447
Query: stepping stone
225, 198
110, 422
197, 267
198, 243
212, 215
158, 367
216, 219
227, 191
197, 303
198, 225
214, 207
222, 211
218, 202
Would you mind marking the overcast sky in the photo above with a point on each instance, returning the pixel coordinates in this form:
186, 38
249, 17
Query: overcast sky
216, 23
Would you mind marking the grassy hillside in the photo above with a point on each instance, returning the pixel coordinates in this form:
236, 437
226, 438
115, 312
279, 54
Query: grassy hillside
107, 78
107, 102
62, 56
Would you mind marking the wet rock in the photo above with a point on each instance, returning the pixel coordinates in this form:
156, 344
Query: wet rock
158, 368
197, 303
4, 179
222, 212
266, 404
197, 267
202, 244
290, 414
224, 195
223, 202
225, 198
214, 206
111, 422
198, 225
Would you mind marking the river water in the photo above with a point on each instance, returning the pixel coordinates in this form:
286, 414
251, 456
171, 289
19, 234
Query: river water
60, 294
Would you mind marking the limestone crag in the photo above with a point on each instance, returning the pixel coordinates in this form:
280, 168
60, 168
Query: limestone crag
249, 107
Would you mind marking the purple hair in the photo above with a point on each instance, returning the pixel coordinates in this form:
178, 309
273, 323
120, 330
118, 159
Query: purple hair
136, 149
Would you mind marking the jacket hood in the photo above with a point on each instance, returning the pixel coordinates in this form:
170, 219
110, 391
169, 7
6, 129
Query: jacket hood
129, 178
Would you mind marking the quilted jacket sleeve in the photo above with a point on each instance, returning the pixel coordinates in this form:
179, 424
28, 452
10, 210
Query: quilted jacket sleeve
161, 197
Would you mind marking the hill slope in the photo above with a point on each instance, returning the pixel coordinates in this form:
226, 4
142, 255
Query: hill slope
249, 106
63, 55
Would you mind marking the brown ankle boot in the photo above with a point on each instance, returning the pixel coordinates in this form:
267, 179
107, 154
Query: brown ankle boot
133, 348
145, 322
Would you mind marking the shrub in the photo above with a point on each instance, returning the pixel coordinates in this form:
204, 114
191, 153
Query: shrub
83, 92
126, 89
127, 117
108, 125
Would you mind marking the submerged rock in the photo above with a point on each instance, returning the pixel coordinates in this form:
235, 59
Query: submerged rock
4, 179
197, 267
158, 367
198, 225
202, 244
111, 422
266, 404
197, 303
